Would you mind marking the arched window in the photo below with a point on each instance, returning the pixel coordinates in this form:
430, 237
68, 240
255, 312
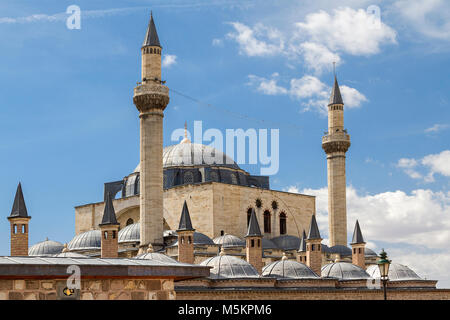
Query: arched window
214, 176
267, 227
283, 228
249, 214
130, 221
234, 179
188, 177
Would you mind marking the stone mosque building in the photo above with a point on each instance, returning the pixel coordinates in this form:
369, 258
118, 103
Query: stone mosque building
180, 227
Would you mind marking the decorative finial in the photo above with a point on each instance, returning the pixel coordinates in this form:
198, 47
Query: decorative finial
65, 249
46, 238
185, 129
334, 68
222, 252
284, 257
150, 248
337, 260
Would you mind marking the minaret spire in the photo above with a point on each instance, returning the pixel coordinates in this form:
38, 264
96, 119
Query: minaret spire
151, 37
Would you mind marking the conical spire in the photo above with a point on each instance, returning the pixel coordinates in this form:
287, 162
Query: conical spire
109, 215
185, 220
302, 247
336, 97
313, 229
253, 226
357, 234
19, 209
151, 37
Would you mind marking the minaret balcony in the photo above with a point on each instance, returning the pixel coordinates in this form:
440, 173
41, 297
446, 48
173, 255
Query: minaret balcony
150, 95
336, 142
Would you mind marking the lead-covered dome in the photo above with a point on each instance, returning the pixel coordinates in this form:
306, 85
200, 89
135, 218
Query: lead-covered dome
397, 272
268, 244
156, 256
45, 248
225, 267
229, 241
343, 251
287, 242
285, 268
131, 233
89, 240
194, 154
200, 239
344, 271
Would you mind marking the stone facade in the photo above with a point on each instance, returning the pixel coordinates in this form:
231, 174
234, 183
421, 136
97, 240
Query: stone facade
314, 255
214, 207
254, 252
95, 289
186, 246
110, 245
358, 255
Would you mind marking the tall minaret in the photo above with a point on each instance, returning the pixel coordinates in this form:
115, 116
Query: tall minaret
151, 98
335, 144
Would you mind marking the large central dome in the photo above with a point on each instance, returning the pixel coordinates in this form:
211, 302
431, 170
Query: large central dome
187, 154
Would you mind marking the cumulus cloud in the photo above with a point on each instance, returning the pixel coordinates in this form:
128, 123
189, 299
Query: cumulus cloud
169, 60
430, 18
312, 92
318, 57
356, 32
257, 41
431, 164
414, 225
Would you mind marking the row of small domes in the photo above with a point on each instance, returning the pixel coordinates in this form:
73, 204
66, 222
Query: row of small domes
227, 266
91, 240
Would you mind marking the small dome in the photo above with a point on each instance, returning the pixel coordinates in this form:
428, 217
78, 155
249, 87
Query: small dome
225, 266
156, 256
229, 241
45, 248
397, 272
89, 240
200, 239
288, 269
325, 248
370, 253
340, 249
344, 271
193, 154
268, 244
70, 255
287, 242
131, 233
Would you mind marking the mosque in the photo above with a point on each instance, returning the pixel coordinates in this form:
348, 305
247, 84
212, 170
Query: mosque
180, 227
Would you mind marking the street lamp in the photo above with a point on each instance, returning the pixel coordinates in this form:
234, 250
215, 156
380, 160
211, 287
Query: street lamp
383, 265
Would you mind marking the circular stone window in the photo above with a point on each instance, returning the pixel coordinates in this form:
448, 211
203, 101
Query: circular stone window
258, 203
274, 205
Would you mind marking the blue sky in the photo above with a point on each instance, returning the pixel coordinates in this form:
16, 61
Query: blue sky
68, 123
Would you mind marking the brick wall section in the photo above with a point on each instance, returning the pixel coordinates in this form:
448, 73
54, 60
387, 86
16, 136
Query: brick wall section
254, 254
19, 239
314, 255
358, 256
109, 244
105, 289
186, 246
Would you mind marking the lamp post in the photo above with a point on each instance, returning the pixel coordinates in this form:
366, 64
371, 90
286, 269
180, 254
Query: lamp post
383, 265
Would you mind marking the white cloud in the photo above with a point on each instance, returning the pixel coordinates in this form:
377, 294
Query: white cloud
217, 42
169, 60
410, 226
312, 92
257, 41
436, 128
348, 30
318, 57
433, 164
431, 18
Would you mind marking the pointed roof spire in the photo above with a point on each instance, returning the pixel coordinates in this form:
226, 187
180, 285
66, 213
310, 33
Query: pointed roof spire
185, 219
151, 37
302, 247
313, 229
19, 209
336, 97
109, 214
253, 226
357, 234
